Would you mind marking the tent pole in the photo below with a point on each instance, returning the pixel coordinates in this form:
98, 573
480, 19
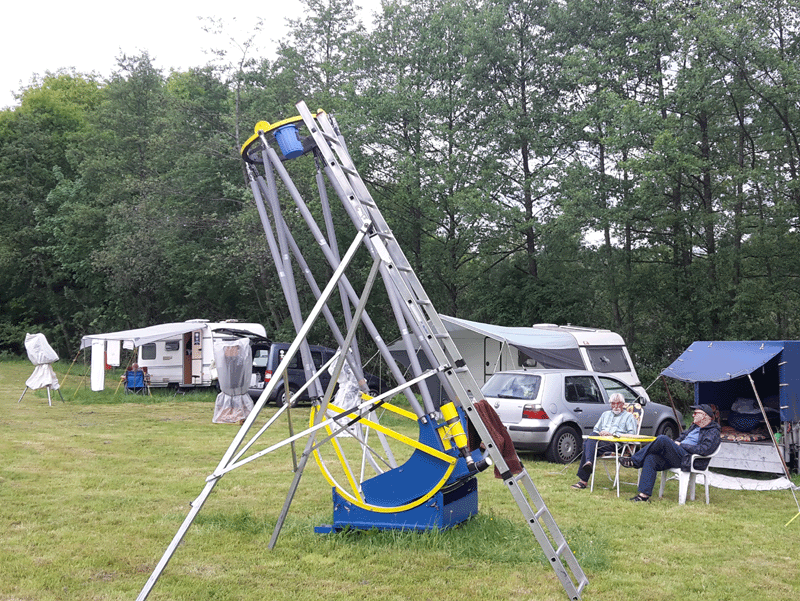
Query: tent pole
769, 429
672, 403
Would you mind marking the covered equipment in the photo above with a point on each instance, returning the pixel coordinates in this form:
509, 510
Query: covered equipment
42, 355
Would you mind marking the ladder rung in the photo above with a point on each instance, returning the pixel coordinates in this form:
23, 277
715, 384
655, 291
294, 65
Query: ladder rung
561, 548
539, 513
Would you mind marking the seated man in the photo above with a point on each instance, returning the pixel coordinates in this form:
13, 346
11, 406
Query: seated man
615, 421
702, 438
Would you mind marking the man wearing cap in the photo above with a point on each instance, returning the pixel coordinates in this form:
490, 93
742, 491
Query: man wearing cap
702, 438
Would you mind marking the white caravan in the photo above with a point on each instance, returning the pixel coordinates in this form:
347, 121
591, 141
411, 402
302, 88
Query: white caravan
488, 348
175, 354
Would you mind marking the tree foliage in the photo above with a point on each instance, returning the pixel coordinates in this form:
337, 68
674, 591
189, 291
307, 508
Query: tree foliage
633, 165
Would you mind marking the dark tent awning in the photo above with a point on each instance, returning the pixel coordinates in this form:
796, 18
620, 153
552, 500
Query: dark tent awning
717, 361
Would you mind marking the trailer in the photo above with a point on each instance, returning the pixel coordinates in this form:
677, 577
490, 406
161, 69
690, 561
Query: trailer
487, 348
754, 385
174, 354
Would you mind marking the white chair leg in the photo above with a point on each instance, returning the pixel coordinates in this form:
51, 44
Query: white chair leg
663, 483
692, 483
683, 485
705, 481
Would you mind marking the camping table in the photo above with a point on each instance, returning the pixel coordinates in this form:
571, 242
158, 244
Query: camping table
619, 443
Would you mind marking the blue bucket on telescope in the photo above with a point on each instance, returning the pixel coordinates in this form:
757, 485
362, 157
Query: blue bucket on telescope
289, 142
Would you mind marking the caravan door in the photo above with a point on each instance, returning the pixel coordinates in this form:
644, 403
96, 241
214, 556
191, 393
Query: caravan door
492, 357
193, 358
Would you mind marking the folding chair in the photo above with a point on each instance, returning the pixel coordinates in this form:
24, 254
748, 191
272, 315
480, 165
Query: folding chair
621, 449
135, 382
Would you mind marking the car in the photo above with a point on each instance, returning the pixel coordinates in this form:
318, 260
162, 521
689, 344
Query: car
550, 410
267, 358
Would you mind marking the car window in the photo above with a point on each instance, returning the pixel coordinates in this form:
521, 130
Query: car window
512, 386
295, 364
582, 389
607, 359
613, 386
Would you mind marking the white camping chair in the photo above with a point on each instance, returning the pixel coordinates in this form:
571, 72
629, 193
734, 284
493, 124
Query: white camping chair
687, 480
621, 449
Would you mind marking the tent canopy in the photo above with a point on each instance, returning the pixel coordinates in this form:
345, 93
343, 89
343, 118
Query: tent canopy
141, 336
706, 361
718, 370
554, 349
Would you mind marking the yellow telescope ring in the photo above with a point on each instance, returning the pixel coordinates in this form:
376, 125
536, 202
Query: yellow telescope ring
354, 497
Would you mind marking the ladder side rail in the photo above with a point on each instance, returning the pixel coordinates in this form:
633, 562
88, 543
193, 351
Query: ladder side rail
573, 582
549, 521
405, 334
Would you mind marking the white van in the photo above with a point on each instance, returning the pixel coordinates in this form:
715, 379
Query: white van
187, 359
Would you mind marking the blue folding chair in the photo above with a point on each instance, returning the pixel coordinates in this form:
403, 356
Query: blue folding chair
135, 382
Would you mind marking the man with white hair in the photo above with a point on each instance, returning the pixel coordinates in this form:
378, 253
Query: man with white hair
615, 421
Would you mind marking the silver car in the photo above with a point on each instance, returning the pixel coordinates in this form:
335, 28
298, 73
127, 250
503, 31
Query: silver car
550, 410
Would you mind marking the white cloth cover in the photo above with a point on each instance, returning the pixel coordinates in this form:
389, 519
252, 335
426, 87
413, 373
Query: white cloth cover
234, 361
98, 370
348, 396
41, 354
732, 483
113, 352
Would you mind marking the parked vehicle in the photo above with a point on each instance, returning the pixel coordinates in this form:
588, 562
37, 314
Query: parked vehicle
175, 354
267, 358
550, 410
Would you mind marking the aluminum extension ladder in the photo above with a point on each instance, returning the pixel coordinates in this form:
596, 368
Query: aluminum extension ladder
396, 268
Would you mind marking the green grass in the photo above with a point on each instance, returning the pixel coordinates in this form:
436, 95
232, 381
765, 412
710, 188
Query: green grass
92, 491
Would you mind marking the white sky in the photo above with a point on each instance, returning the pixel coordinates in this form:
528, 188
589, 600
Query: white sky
89, 35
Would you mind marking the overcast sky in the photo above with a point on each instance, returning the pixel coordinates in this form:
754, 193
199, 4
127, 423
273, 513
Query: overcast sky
89, 35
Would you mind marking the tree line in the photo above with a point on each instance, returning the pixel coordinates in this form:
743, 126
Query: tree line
627, 164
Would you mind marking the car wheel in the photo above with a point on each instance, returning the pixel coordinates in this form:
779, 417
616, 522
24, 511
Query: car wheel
282, 396
565, 446
668, 428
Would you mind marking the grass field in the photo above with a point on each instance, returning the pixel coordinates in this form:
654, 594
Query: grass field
93, 489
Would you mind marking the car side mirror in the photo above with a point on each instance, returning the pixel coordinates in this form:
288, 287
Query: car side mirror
642, 401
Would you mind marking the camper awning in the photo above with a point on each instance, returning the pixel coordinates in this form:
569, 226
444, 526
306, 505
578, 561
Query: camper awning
551, 348
717, 361
141, 336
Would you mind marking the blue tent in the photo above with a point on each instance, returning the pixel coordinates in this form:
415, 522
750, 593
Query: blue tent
719, 370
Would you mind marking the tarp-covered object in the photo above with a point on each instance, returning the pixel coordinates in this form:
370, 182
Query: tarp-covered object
719, 369
41, 354
234, 360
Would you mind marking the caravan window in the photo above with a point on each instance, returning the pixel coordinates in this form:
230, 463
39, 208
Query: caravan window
148, 352
607, 359
172, 345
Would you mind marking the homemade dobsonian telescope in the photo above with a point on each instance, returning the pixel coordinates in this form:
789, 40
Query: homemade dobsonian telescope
380, 477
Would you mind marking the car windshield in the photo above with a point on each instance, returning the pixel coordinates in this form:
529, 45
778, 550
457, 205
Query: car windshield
512, 386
